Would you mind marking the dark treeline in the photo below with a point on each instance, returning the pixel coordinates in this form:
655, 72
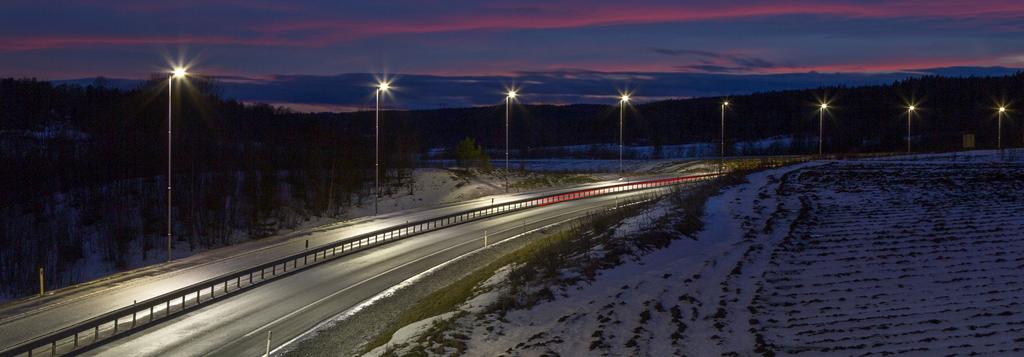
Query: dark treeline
58, 137
91, 161
860, 119
83, 174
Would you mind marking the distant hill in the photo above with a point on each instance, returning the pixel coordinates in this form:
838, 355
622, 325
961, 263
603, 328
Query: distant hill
352, 91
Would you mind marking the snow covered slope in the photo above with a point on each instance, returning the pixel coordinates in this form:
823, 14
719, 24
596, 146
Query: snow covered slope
913, 256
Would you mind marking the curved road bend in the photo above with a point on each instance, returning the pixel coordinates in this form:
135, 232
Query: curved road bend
292, 305
61, 313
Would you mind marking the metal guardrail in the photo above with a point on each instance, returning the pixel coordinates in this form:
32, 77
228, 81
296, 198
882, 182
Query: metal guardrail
92, 332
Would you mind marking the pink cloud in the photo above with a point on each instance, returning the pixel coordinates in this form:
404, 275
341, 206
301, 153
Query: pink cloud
23, 43
573, 15
313, 32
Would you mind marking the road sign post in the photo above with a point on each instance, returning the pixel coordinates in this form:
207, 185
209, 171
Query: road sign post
41, 291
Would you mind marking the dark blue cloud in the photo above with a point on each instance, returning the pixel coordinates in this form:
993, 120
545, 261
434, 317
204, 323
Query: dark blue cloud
256, 38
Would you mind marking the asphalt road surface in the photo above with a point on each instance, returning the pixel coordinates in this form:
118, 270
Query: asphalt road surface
292, 305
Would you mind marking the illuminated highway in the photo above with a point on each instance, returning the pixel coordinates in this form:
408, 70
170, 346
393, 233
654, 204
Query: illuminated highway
291, 305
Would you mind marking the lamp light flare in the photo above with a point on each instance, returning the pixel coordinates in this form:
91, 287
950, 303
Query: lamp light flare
824, 106
179, 72
624, 98
511, 94
912, 108
1002, 109
726, 103
384, 86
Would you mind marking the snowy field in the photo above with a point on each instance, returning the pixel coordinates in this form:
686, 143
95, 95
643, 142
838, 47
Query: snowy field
775, 145
923, 258
918, 255
541, 166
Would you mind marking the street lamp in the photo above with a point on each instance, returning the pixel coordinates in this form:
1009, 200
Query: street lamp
821, 126
623, 100
382, 87
721, 153
176, 73
509, 97
910, 112
1002, 109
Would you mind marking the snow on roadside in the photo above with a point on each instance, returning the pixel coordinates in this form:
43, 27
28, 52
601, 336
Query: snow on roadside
663, 303
918, 255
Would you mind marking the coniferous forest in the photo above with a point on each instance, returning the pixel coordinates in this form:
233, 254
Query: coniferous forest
83, 169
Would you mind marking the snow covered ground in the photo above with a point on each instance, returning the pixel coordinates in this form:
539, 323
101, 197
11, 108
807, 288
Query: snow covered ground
591, 166
766, 146
897, 257
919, 255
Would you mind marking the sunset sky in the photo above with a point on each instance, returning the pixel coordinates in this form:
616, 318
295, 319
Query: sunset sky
471, 45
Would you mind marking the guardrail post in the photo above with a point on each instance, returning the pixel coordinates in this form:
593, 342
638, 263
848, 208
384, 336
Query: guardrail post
115, 325
150, 316
168, 313
96, 334
134, 312
76, 339
53, 348
268, 344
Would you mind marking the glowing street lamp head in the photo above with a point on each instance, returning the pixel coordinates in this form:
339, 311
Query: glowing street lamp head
383, 86
725, 103
824, 106
624, 98
179, 72
511, 94
1002, 109
912, 108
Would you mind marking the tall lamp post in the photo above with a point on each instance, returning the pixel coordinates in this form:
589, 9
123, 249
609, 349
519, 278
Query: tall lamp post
821, 127
509, 97
176, 73
999, 140
382, 87
623, 100
721, 149
910, 112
